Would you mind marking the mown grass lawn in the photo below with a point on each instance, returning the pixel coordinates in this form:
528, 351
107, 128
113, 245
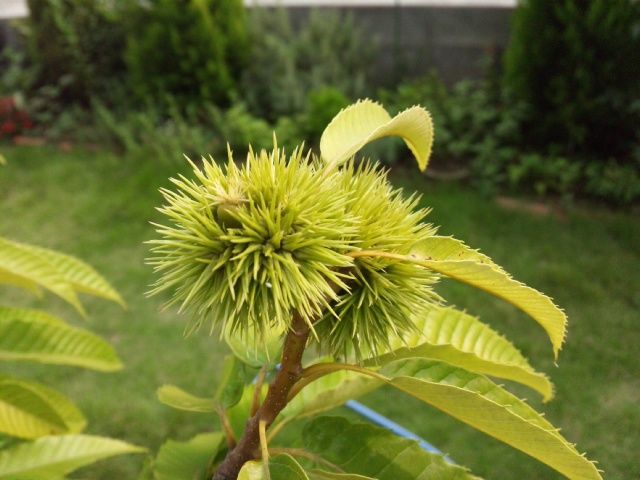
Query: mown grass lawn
98, 206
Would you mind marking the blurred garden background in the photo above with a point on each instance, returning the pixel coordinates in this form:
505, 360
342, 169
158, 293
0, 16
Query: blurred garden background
536, 161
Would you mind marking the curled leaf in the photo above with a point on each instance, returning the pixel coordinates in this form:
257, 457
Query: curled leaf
366, 121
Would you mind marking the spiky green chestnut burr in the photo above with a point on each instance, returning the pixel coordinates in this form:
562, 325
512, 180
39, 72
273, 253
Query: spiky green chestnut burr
384, 293
248, 246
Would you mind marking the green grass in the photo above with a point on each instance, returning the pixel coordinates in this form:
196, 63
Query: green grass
98, 206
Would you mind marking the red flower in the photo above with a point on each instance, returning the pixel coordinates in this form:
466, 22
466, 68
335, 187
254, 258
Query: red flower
8, 127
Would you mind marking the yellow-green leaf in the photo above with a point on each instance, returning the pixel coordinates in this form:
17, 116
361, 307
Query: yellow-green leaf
188, 460
464, 341
179, 399
454, 259
27, 335
50, 458
8, 278
475, 400
30, 410
82, 276
21, 267
366, 121
281, 467
30, 315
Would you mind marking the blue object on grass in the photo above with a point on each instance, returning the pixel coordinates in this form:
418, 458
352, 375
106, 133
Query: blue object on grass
381, 420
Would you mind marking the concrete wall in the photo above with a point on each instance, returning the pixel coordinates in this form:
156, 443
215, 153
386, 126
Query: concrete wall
413, 41
8, 36
13, 9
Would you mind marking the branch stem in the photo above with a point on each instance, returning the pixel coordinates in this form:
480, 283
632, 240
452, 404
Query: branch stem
248, 447
314, 372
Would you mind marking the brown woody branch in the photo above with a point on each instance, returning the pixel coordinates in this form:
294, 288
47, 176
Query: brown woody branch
291, 368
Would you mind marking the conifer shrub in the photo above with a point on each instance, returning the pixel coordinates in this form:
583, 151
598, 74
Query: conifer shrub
576, 65
192, 50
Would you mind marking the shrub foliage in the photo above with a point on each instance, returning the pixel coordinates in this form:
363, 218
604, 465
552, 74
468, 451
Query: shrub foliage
576, 64
192, 49
75, 45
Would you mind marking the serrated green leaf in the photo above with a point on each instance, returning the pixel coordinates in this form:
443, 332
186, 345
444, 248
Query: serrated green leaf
454, 259
21, 267
179, 399
29, 410
464, 341
82, 276
475, 400
256, 353
328, 392
50, 458
366, 121
281, 467
188, 460
28, 335
374, 452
